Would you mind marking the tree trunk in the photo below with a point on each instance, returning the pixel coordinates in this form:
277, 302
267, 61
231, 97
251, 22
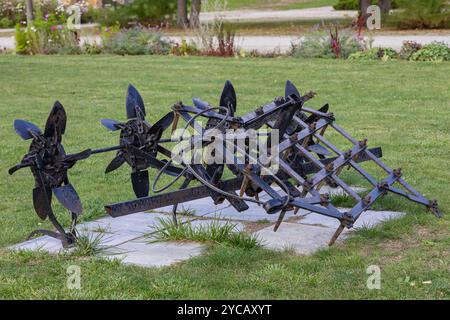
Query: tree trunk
385, 5
194, 18
363, 5
29, 10
182, 19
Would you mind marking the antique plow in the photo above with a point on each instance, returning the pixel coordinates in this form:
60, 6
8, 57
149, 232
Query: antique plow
292, 174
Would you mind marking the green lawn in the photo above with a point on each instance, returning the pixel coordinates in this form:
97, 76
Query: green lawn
403, 107
278, 4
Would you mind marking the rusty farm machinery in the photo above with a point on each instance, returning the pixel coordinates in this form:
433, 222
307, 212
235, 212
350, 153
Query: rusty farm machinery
291, 161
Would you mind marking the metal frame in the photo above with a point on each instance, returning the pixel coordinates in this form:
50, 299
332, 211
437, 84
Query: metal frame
305, 157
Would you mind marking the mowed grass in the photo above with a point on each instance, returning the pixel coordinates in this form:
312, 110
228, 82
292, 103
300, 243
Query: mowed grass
403, 107
278, 4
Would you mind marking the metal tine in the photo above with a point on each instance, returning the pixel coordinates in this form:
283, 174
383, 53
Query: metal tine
279, 221
314, 117
286, 168
376, 160
372, 180
341, 183
358, 168
333, 166
336, 234
372, 196
321, 166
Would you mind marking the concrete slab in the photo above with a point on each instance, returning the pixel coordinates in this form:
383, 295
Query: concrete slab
314, 231
367, 219
146, 254
140, 223
129, 239
304, 239
45, 243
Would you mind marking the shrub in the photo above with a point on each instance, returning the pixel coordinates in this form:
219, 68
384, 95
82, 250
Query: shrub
184, 48
92, 48
11, 13
421, 14
45, 39
46, 36
409, 48
215, 38
436, 51
340, 44
143, 12
137, 41
5, 23
375, 54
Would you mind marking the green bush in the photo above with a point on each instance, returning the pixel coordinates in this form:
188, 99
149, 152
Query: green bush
11, 13
139, 11
375, 54
137, 41
5, 23
421, 14
184, 48
46, 36
45, 39
320, 45
436, 51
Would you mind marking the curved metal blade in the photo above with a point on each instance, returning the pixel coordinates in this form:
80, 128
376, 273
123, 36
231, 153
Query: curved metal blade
23, 164
110, 124
313, 118
69, 198
162, 124
56, 122
12, 170
319, 149
228, 97
291, 89
200, 103
23, 129
118, 161
140, 182
133, 99
41, 201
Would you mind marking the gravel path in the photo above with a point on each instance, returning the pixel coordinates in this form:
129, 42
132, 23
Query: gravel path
281, 15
